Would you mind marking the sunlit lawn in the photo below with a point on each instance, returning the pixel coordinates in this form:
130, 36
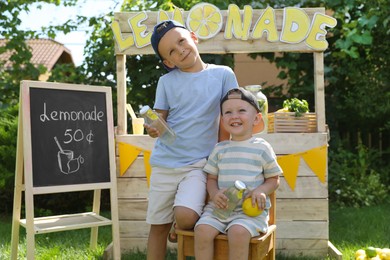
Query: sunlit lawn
350, 229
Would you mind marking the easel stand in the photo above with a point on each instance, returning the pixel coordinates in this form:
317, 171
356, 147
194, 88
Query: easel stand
24, 181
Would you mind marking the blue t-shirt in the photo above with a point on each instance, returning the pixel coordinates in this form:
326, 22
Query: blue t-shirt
193, 104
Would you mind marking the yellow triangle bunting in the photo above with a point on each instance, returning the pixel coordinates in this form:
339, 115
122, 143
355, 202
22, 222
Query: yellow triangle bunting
290, 165
148, 168
127, 155
316, 160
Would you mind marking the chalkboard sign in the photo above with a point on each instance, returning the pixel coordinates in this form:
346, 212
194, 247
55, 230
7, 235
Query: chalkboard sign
69, 136
65, 144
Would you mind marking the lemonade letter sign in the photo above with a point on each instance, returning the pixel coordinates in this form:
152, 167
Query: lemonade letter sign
286, 27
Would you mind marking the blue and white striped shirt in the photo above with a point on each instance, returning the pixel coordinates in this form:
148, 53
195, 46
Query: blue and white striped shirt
250, 161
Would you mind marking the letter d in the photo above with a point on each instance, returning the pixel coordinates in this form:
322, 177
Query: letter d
296, 25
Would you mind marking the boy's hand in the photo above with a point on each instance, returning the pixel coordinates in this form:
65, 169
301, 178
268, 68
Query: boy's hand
153, 132
220, 200
258, 197
259, 194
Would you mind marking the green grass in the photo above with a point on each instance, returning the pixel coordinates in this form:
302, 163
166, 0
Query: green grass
72, 244
350, 229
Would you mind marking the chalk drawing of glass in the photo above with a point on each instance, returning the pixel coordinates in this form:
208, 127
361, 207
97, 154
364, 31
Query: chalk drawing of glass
66, 161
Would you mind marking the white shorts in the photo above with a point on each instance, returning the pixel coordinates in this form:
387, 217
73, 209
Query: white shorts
171, 187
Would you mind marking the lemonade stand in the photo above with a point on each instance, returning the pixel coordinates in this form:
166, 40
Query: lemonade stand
302, 199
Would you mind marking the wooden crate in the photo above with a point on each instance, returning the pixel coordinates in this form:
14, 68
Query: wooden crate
287, 122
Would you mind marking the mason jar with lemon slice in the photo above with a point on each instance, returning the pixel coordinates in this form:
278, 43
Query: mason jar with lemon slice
263, 103
234, 195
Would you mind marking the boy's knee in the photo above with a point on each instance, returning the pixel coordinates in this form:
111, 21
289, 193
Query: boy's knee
237, 231
203, 232
185, 217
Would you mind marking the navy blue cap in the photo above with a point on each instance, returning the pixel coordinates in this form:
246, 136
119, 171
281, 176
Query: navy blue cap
243, 94
159, 31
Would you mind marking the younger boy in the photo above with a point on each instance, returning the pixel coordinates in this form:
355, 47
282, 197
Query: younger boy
246, 158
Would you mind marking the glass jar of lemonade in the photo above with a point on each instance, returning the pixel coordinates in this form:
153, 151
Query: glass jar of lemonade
263, 103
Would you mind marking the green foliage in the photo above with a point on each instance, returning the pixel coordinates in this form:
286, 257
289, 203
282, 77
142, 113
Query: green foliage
357, 69
296, 105
354, 179
8, 133
360, 82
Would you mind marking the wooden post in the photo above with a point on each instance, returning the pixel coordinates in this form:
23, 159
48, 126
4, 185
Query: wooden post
96, 209
28, 178
121, 94
319, 90
18, 190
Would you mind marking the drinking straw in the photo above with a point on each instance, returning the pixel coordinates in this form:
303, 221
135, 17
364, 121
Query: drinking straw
59, 146
131, 111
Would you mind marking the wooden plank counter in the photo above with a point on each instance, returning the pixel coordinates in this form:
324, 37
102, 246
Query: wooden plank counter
301, 215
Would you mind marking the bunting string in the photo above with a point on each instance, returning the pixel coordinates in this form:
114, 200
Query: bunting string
315, 158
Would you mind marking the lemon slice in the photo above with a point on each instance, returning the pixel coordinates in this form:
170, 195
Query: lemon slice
205, 20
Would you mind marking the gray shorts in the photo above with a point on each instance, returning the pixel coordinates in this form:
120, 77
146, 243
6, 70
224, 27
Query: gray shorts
171, 187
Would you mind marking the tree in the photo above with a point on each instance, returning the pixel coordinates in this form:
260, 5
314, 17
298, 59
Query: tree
10, 78
21, 69
356, 67
359, 66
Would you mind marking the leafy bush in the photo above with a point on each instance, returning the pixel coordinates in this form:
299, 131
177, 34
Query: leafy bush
8, 134
354, 179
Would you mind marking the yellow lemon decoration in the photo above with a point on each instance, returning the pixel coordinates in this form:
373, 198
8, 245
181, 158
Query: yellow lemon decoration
249, 209
205, 20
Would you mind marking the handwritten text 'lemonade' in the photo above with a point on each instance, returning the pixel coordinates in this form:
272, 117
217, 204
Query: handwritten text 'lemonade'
60, 115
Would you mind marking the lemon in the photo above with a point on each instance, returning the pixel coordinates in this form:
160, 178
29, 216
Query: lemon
385, 254
371, 251
249, 209
360, 252
285, 109
205, 20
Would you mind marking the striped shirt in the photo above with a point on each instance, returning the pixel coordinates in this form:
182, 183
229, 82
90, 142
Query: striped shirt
250, 161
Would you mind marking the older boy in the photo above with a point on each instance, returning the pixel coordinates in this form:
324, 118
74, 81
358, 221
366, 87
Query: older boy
188, 98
